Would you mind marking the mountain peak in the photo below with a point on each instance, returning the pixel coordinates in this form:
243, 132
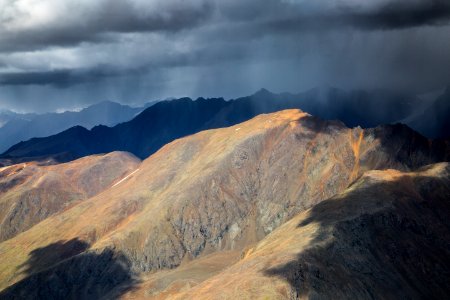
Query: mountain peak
105, 103
263, 92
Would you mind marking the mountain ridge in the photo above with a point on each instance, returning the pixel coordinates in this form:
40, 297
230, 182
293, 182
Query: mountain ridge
168, 120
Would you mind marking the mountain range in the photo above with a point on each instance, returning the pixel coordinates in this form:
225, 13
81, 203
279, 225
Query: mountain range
282, 206
168, 120
16, 127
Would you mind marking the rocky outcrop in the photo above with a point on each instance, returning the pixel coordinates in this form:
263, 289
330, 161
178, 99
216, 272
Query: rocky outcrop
384, 237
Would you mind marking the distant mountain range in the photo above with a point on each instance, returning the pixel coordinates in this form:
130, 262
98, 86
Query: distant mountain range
7, 116
168, 120
15, 127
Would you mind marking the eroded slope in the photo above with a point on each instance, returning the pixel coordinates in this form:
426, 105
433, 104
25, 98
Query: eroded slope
384, 237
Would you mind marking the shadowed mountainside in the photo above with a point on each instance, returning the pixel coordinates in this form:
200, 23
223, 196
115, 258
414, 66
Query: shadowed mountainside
386, 237
223, 189
29, 193
169, 120
73, 273
21, 127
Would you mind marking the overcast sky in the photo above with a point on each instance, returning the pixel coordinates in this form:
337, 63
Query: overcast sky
65, 54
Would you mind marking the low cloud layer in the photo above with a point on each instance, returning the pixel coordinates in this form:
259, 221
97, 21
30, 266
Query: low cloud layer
66, 54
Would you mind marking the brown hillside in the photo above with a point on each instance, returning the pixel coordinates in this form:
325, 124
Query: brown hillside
386, 237
29, 193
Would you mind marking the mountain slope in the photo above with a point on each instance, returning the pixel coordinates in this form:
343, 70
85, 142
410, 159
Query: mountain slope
169, 120
217, 190
434, 122
384, 237
24, 127
30, 193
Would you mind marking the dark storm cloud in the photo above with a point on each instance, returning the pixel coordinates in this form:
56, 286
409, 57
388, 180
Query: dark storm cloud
136, 49
403, 15
100, 23
58, 78
397, 15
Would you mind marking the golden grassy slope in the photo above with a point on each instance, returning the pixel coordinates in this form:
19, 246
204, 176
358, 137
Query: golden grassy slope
30, 192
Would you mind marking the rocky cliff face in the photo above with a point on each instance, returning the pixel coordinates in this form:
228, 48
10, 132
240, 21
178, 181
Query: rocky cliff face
29, 192
217, 190
386, 236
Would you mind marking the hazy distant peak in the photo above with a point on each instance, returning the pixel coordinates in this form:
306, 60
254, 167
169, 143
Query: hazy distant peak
106, 104
77, 128
263, 93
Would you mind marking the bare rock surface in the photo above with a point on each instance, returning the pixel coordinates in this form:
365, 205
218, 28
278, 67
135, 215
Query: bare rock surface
385, 237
